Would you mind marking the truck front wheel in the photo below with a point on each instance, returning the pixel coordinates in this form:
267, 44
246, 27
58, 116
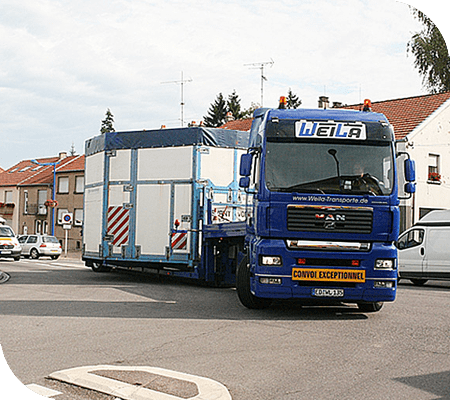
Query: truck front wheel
370, 307
247, 298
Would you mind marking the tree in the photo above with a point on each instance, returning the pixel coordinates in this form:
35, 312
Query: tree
234, 106
107, 123
292, 100
431, 55
217, 113
248, 113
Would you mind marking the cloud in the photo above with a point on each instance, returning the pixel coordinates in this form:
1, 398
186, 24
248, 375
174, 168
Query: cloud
62, 64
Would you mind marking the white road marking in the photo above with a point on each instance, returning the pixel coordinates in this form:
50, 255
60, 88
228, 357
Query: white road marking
43, 391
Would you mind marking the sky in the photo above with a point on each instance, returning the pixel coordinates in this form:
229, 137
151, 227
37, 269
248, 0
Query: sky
64, 63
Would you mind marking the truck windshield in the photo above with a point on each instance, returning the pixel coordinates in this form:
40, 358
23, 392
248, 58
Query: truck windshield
329, 168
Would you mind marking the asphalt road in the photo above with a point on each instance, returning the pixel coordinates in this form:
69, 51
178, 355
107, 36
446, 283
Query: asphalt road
57, 314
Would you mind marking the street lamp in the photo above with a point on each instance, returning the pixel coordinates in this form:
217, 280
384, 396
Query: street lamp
53, 190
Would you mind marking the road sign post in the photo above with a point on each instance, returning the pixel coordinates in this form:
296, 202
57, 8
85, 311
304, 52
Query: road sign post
67, 220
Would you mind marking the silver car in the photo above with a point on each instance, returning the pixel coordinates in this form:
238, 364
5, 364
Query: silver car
35, 246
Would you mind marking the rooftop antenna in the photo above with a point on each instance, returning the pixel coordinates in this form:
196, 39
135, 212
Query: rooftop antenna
263, 78
181, 82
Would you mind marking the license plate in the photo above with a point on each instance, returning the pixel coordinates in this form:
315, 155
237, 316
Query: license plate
5, 252
318, 292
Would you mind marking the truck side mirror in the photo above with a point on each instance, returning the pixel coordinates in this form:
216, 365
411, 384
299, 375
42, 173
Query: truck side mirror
410, 171
244, 182
410, 187
246, 165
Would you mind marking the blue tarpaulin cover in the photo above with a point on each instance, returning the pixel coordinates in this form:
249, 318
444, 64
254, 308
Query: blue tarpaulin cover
214, 137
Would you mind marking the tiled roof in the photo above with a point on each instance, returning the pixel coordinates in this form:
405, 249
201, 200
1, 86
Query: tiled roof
407, 113
27, 173
239, 124
404, 114
76, 164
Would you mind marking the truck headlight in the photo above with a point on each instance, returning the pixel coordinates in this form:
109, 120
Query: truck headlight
385, 264
271, 261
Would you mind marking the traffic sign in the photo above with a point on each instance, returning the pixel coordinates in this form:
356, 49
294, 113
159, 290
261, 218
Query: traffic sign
67, 218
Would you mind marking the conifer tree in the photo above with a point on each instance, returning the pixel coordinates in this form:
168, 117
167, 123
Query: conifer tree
292, 100
234, 105
107, 123
216, 113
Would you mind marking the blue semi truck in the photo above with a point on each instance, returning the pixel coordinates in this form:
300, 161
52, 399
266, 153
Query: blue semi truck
304, 206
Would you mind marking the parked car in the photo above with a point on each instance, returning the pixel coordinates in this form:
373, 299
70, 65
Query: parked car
9, 245
35, 246
424, 249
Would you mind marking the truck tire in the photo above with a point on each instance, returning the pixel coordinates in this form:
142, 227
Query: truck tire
247, 298
98, 267
419, 282
370, 307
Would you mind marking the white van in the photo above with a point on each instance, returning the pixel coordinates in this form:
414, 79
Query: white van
9, 245
424, 249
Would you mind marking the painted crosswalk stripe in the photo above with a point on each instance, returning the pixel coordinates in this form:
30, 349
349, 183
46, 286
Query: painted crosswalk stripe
43, 391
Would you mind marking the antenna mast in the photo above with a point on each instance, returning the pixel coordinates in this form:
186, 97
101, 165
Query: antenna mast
181, 83
261, 66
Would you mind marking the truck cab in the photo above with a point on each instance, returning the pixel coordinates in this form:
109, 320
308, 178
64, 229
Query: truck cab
323, 208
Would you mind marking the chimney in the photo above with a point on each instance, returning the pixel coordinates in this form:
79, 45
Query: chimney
229, 117
62, 155
323, 102
337, 104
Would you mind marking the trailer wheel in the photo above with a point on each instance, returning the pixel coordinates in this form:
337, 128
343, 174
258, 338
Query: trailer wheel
247, 298
370, 307
98, 267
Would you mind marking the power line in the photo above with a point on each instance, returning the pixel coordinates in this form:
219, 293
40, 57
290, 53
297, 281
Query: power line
261, 66
181, 82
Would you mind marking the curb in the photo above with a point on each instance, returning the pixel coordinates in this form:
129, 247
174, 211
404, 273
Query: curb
143, 383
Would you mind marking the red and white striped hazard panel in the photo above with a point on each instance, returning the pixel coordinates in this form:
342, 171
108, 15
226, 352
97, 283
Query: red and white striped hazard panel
179, 240
118, 224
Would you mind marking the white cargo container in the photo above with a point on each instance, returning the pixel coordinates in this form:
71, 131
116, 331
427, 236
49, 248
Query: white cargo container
150, 196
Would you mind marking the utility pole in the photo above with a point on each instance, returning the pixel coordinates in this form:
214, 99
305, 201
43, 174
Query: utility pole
261, 66
181, 82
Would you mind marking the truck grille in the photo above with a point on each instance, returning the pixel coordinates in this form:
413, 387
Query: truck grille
330, 219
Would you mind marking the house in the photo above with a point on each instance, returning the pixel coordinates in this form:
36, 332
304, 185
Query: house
69, 195
26, 193
10, 192
423, 122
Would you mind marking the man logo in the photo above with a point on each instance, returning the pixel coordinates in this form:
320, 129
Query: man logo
329, 220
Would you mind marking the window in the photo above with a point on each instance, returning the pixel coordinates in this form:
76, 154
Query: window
411, 239
37, 226
61, 211
433, 168
32, 239
63, 184
78, 217
8, 196
22, 239
42, 198
25, 202
79, 184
